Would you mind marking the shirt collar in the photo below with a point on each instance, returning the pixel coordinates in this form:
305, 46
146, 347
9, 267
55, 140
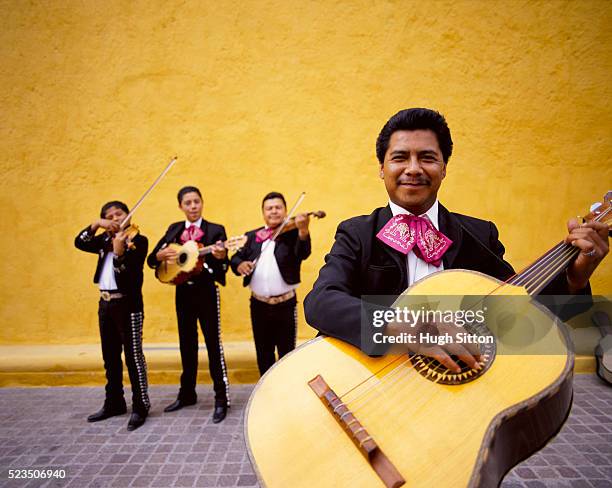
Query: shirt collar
431, 214
197, 222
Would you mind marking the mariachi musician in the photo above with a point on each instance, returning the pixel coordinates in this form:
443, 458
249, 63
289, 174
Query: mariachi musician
413, 149
197, 299
121, 253
271, 269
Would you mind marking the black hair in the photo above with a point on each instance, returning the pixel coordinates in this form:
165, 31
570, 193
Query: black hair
416, 119
187, 189
271, 195
114, 203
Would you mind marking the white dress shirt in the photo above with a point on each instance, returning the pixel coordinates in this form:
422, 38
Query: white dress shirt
107, 275
197, 223
267, 280
417, 268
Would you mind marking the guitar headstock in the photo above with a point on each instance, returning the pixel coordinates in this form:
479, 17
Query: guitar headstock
235, 243
601, 211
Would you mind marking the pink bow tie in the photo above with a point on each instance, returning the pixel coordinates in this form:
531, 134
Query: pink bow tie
263, 235
408, 232
191, 233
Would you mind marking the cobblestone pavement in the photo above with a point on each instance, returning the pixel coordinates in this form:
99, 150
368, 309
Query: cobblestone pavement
44, 428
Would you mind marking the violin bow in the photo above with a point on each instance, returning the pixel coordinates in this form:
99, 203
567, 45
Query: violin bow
289, 216
149, 190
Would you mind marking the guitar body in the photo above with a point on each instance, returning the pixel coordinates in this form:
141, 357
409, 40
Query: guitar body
188, 264
438, 435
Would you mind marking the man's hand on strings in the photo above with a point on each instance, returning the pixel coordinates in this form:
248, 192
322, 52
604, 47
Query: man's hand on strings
467, 352
302, 220
592, 240
166, 254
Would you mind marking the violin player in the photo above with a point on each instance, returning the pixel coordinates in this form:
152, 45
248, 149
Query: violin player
121, 255
271, 269
198, 299
413, 150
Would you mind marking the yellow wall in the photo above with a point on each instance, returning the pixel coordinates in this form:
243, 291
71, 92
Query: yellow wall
281, 95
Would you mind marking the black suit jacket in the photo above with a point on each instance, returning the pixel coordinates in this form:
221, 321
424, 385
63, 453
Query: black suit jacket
128, 267
289, 252
360, 264
212, 233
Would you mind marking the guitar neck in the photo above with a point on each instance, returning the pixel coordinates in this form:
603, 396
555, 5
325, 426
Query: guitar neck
537, 275
231, 244
540, 273
206, 250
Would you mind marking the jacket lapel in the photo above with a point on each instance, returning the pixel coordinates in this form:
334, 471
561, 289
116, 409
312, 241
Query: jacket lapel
204, 227
450, 227
256, 246
398, 258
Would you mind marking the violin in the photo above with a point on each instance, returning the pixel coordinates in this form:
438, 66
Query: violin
131, 231
290, 225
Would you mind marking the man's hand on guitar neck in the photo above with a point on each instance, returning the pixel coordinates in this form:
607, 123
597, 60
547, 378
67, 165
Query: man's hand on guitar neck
219, 250
592, 240
467, 352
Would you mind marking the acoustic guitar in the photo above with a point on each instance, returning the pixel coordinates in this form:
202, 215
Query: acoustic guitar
190, 260
327, 415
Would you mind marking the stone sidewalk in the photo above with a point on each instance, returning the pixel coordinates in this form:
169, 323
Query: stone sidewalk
44, 428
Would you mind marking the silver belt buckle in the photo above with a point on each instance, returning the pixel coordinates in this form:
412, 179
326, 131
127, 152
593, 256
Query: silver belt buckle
106, 296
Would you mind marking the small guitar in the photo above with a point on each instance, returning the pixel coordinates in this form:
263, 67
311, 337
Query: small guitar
190, 260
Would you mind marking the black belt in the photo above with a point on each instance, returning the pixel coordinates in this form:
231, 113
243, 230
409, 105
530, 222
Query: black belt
108, 295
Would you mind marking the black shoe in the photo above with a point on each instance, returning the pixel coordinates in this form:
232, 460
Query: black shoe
106, 412
178, 404
219, 413
136, 420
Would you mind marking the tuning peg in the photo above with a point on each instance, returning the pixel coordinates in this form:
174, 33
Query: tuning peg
595, 206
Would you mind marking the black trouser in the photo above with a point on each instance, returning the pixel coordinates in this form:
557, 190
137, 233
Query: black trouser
200, 302
274, 328
122, 329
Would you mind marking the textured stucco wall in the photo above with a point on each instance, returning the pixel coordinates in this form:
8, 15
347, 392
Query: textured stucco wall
289, 96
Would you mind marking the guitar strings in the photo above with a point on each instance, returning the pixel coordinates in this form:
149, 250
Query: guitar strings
540, 280
376, 400
516, 279
374, 375
391, 380
551, 269
386, 377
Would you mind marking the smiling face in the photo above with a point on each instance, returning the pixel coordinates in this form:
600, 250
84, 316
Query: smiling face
274, 212
191, 205
413, 169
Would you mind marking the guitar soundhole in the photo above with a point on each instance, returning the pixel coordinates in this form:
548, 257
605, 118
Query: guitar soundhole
435, 371
182, 258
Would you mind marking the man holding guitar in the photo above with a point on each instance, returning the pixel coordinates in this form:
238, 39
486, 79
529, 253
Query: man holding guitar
413, 150
197, 299
271, 268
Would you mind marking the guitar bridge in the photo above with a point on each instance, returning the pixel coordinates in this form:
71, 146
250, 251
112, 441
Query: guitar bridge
389, 475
